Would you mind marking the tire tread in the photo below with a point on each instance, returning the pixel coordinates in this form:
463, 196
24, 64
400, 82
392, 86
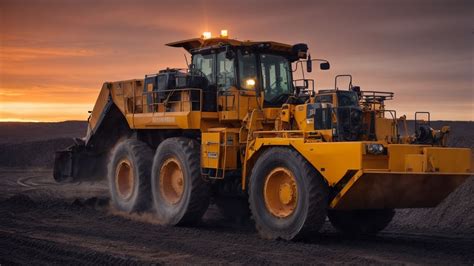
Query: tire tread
199, 198
317, 198
141, 157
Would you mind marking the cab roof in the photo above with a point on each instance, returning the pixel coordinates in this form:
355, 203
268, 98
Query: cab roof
199, 43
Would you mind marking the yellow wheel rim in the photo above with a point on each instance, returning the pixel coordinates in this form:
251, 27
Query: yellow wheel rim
280, 192
124, 179
171, 181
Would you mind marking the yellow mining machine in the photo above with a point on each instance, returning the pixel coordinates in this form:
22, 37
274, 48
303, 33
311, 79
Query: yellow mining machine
238, 129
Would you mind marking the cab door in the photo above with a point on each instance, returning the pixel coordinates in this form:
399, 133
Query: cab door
226, 87
205, 66
236, 82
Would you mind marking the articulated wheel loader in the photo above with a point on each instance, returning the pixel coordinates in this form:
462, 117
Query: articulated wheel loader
237, 128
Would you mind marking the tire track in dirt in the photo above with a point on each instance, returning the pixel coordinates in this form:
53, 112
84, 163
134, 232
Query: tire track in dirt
26, 250
62, 224
38, 181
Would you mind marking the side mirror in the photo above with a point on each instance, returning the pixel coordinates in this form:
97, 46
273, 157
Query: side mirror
324, 66
309, 64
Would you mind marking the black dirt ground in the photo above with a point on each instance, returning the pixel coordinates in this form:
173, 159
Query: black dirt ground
42, 222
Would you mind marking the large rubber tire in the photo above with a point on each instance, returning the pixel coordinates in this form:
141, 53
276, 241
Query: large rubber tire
360, 222
133, 157
195, 196
309, 213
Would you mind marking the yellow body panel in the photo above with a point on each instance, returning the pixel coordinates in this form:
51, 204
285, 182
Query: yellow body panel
99, 106
128, 96
300, 118
236, 104
439, 159
170, 120
332, 160
385, 129
210, 149
397, 153
219, 148
415, 163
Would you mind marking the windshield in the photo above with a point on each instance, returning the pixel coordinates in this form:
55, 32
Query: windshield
347, 98
247, 70
225, 71
204, 66
276, 78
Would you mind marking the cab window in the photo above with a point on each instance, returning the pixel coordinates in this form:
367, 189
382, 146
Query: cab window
225, 71
204, 65
247, 70
276, 81
347, 98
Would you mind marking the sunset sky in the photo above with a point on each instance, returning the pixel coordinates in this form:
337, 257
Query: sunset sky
55, 55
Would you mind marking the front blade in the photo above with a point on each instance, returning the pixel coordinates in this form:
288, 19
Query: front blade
379, 190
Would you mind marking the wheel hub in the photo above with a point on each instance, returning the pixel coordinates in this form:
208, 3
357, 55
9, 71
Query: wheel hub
171, 181
124, 179
280, 192
286, 193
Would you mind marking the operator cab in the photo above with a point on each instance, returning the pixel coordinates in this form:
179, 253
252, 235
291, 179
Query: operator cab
340, 111
263, 68
246, 67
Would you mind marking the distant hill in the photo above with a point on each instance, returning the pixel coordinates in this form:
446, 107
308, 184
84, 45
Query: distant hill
19, 132
34, 144
32, 154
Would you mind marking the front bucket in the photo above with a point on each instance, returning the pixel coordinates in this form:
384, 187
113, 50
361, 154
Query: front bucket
380, 190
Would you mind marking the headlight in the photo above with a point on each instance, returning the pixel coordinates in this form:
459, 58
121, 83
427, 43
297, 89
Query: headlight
250, 83
374, 148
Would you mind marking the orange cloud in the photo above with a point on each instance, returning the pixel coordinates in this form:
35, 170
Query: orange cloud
29, 53
26, 111
51, 94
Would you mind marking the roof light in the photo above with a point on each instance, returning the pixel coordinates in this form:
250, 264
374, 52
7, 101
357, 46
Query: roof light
206, 35
224, 34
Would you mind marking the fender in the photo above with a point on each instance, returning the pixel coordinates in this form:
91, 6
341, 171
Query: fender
331, 160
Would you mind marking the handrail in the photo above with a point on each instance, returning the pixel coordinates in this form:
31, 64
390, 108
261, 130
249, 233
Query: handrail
155, 101
416, 120
393, 113
372, 98
378, 96
305, 84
